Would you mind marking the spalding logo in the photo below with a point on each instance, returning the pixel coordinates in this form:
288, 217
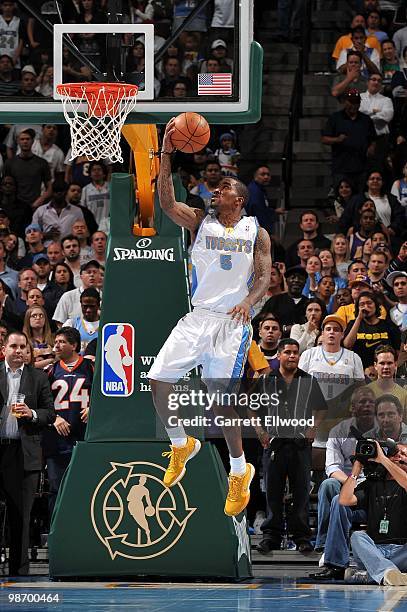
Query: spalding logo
143, 253
143, 243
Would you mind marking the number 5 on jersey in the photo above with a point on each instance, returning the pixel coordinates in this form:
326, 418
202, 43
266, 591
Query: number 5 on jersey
226, 262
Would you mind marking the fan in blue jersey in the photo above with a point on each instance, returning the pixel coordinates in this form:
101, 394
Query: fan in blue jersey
231, 271
71, 380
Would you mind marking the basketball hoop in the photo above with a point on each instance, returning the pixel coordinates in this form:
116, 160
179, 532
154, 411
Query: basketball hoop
96, 113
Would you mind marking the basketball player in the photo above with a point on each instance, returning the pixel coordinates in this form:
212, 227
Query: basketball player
230, 254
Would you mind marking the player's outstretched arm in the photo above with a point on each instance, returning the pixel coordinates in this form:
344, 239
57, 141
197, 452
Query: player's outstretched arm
262, 270
180, 213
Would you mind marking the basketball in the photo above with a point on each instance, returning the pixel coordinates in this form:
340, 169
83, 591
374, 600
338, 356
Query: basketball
192, 132
149, 511
127, 361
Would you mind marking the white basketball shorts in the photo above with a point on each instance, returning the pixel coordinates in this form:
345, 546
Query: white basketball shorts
210, 339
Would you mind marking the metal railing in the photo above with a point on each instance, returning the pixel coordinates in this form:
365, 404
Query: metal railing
295, 111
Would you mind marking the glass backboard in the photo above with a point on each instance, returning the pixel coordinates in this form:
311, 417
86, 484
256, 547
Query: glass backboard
212, 70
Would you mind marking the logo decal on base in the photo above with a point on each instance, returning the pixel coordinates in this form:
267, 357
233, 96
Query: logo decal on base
134, 515
117, 359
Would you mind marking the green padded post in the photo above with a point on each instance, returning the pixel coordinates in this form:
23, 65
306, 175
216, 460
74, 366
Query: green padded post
113, 516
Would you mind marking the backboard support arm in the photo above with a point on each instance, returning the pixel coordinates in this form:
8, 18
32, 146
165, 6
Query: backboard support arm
113, 42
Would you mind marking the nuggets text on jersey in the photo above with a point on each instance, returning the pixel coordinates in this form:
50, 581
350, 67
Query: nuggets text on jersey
229, 244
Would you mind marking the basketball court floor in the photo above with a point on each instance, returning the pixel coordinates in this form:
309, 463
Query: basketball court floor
251, 596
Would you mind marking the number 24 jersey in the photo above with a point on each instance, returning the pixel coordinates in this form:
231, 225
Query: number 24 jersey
71, 389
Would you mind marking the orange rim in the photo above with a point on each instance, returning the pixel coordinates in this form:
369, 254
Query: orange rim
99, 105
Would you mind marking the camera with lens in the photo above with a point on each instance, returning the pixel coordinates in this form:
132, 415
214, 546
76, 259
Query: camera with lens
367, 449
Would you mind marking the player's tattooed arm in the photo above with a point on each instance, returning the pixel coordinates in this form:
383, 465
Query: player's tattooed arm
262, 270
262, 267
180, 213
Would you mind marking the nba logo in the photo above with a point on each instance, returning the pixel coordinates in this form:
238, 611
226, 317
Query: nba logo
117, 359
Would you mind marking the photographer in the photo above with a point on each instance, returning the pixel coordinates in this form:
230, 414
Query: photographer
336, 556
380, 551
287, 446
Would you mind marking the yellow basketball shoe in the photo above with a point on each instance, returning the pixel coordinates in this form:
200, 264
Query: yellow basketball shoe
179, 456
239, 492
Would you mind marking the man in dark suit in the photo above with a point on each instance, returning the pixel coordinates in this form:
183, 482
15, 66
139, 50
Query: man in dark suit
20, 442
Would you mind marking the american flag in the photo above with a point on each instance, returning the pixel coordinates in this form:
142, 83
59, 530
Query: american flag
215, 84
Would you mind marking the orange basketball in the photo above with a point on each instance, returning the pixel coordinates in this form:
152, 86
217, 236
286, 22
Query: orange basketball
192, 132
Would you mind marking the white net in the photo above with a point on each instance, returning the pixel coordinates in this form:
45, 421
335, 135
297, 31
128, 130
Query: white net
96, 118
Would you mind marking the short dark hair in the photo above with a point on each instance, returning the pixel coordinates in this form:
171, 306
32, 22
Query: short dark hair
384, 348
17, 333
309, 212
97, 163
357, 29
242, 191
30, 132
391, 399
352, 52
385, 238
90, 292
69, 237
375, 11
388, 40
71, 335
210, 162
74, 183
331, 276
261, 166
286, 342
169, 57
59, 185
356, 261
268, 316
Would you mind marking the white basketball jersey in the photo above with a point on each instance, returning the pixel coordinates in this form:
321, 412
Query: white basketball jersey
9, 38
334, 371
222, 263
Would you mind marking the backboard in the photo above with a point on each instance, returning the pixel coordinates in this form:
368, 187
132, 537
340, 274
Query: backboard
225, 89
